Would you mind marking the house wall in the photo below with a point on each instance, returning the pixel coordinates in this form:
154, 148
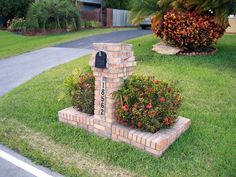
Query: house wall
90, 7
232, 27
91, 4
91, 15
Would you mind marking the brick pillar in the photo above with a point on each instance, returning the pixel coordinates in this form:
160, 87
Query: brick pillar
120, 64
109, 14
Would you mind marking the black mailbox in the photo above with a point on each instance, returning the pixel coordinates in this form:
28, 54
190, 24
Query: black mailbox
101, 60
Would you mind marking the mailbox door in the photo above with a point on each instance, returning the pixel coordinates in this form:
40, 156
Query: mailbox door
101, 60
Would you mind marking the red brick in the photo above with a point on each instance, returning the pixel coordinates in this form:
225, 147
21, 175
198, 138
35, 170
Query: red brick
144, 138
160, 143
153, 152
149, 139
99, 127
126, 140
138, 145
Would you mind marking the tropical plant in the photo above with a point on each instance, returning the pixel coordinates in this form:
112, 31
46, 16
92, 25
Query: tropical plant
142, 9
53, 14
219, 10
190, 31
147, 103
80, 86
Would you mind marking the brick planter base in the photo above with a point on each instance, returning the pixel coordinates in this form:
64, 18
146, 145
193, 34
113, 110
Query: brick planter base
154, 143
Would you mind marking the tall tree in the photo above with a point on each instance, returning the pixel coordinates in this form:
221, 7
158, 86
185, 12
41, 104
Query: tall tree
117, 4
14, 8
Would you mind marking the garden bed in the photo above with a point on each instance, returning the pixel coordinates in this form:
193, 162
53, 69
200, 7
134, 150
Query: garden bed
154, 143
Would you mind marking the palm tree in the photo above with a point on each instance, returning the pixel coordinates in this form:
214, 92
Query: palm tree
142, 9
157, 8
221, 9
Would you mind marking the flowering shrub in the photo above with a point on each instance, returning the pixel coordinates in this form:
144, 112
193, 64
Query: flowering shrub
147, 103
189, 30
80, 87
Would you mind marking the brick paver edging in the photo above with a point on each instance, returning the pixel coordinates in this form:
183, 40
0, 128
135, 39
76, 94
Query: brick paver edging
154, 143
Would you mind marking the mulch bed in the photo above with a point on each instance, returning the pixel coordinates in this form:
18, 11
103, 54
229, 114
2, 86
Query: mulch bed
41, 32
207, 51
47, 32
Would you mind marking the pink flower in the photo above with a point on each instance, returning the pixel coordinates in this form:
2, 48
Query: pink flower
149, 106
162, 99
139, 124
125, 108
118, 118
123, 123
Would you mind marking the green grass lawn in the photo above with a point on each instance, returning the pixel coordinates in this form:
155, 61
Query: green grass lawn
13, 44
29, 121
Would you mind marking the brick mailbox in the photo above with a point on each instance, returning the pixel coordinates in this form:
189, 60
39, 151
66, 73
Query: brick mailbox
120, 63
111, 64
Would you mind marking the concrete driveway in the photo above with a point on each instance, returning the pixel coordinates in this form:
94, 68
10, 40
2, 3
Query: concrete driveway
18, 69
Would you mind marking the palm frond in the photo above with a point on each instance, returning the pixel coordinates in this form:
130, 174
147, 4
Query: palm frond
142, 9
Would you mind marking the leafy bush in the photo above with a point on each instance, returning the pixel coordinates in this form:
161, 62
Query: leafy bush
80, 87
53, 14
189, 30
147, 103
17, 24
190, 22
14, 8
91, 24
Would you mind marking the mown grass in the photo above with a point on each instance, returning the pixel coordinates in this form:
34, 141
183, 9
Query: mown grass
209, 90
12, 44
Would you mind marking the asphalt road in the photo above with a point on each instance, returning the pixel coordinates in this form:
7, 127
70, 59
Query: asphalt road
13, 164
18, 69
114, 37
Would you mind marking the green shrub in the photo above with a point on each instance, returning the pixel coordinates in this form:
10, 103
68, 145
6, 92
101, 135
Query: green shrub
53, 14
95, 24
80, 87
147, 103
17, 24
91, 24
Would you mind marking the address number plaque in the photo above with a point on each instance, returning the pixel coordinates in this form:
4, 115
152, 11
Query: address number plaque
103, 97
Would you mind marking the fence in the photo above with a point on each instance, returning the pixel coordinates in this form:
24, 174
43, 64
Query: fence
111, 17
116, 18
91, 15
120, 18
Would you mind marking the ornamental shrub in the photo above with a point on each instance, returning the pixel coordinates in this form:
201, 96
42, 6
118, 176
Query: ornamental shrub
147, 103
53, 14
17, 25
80, 86
91, 24
189, 30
